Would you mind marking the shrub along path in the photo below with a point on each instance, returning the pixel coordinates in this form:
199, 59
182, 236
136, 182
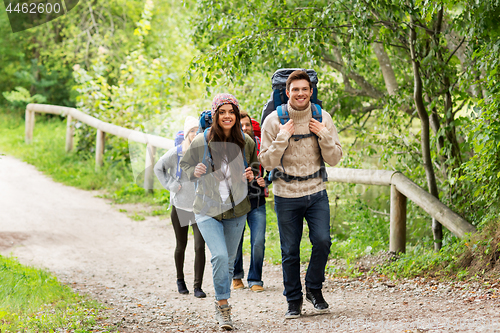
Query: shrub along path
128, 265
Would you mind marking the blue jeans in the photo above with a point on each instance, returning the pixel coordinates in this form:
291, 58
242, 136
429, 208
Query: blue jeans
256, 219
222, 239
291, 213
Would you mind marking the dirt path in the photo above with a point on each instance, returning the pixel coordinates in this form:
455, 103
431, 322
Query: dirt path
128, 265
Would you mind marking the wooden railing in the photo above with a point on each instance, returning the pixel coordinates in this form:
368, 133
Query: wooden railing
151, 141
401, 187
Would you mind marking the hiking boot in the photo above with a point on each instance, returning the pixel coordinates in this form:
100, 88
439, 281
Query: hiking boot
198, 293
181, 287
238, 284
223, 316
294, 309
315, 297
256, 288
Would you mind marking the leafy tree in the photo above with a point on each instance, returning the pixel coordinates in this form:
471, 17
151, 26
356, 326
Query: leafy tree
391, 61
41, 59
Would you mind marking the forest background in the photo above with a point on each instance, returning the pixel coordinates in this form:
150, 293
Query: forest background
411, 86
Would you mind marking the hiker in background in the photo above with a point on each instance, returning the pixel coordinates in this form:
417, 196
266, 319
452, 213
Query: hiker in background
256, 220
182, 192
218, 160
299, 188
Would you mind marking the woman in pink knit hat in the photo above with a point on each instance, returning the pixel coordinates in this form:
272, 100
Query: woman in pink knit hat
218, 161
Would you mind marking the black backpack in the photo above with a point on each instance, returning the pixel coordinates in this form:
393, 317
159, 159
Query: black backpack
279, 97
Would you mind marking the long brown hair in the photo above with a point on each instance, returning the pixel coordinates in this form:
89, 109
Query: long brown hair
216, 134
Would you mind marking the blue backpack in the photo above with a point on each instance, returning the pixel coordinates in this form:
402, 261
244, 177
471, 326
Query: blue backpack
179, 137
205, 121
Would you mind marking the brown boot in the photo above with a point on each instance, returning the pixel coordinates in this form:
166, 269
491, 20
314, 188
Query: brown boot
238, 284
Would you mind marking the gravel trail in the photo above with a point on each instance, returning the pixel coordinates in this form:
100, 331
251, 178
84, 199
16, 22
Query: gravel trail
128, 265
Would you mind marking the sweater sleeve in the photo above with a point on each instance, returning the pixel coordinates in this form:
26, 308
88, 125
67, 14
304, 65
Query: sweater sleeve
328, 140
273, 144
164, 168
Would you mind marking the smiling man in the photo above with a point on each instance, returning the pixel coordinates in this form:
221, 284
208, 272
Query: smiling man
297, 150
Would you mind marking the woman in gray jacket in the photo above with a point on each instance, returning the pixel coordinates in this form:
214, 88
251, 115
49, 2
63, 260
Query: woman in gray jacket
182, 194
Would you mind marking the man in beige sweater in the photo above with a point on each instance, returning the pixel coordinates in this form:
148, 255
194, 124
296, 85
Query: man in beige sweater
300, 192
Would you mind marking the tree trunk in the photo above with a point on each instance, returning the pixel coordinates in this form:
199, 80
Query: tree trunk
385, 66
437, 228
450, 127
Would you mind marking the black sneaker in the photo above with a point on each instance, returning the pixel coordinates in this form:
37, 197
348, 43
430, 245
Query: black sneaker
181, 287
294, 309
198, 293
315, 297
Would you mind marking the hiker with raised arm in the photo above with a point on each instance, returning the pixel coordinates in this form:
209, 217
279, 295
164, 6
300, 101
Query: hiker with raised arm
181, 189
218, 160
297, 140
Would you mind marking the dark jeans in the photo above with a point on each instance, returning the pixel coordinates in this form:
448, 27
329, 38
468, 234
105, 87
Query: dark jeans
256, 220
179, 219
291, 213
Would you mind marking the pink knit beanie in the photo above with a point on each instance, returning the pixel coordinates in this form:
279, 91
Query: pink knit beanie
221, 99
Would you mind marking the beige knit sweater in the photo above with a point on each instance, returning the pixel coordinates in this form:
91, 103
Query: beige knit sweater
302, 157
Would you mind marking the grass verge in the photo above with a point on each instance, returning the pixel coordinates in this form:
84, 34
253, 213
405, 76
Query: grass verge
32, 300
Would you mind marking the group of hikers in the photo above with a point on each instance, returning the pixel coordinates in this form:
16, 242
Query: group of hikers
217, 184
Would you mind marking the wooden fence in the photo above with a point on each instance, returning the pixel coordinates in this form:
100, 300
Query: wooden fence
401, 187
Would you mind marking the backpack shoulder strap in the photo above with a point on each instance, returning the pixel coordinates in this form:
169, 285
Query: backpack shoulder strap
283, 114
257, 144
178, 172
316, 112
206, 151
244, 155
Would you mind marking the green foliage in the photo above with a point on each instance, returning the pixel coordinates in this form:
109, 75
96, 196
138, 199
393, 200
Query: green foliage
483, 169
132, 193
41, 59
147, 86
32, 300
21, 97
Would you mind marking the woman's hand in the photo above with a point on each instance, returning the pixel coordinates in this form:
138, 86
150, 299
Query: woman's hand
200, 170
249, 174
261, 182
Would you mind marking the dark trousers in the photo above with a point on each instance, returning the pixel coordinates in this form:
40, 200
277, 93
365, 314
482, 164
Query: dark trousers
291, 213
179, 219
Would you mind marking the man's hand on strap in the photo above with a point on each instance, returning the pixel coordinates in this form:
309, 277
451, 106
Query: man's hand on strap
315, 126
288, 127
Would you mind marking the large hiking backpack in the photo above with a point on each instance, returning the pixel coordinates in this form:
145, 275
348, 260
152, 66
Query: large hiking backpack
279, 97
205, 121
278, 102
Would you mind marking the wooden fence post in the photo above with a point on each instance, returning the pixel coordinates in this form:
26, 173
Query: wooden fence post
29, 126
99, 149
397, 238
149, 168
69, 134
